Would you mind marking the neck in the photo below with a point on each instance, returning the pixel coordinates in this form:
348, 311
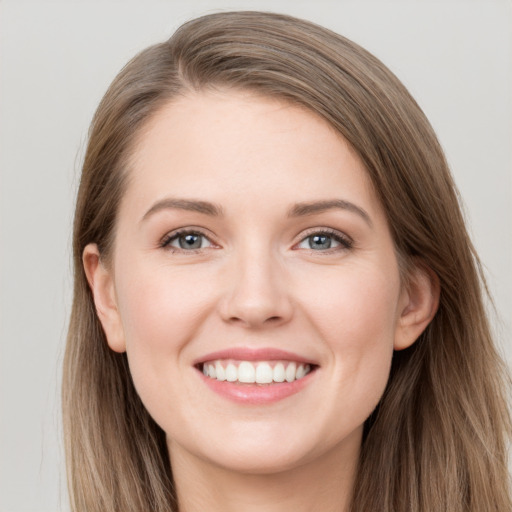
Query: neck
324, 484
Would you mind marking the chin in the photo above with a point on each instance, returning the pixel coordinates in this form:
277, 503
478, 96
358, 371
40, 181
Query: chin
262, 461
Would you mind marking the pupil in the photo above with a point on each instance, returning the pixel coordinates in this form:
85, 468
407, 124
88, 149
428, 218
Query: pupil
320, 242
190, 241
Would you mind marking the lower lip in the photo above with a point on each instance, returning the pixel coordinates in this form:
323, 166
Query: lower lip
257, 394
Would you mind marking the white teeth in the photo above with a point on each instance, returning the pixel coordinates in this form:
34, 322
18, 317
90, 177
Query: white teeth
219, 371
246, 372
291, 372
279, 373
258, 372
264, 374
231, 373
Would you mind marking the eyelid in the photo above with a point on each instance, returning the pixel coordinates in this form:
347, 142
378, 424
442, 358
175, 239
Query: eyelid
345, 241
165, 241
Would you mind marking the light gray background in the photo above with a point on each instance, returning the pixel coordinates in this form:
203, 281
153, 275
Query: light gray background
56, 60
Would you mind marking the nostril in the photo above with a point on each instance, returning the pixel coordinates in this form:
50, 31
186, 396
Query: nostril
254, 320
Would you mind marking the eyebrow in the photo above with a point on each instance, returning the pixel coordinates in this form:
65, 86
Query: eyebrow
298, 210
314, 207
190, 205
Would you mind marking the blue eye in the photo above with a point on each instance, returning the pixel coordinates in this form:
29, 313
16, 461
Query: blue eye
323, 241
320, 242
187, 241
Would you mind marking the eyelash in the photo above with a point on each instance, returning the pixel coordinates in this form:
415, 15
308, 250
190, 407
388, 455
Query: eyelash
169, 238
345, 242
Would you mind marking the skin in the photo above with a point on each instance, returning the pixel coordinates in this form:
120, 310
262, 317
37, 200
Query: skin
255, 282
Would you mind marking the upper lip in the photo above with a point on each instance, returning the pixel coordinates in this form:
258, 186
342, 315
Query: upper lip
254, 354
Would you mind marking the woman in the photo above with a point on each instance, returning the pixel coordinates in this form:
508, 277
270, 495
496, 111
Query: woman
277, 306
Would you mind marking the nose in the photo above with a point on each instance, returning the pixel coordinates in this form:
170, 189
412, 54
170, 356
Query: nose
257, 295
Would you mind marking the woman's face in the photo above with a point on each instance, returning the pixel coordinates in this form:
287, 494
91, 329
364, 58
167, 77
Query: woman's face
251, 246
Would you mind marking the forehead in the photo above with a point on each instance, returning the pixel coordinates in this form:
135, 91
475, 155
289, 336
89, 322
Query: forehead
219, 142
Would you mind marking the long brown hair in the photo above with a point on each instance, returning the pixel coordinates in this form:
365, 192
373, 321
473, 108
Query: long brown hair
438, 439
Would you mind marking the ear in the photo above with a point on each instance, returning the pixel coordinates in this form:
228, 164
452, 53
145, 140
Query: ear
418, 305
102, 286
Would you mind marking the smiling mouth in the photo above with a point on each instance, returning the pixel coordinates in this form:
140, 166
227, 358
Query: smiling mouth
255, 372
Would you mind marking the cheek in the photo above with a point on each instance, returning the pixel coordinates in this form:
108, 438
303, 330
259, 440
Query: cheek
354, 307
356, 315
159, 309
160, 313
